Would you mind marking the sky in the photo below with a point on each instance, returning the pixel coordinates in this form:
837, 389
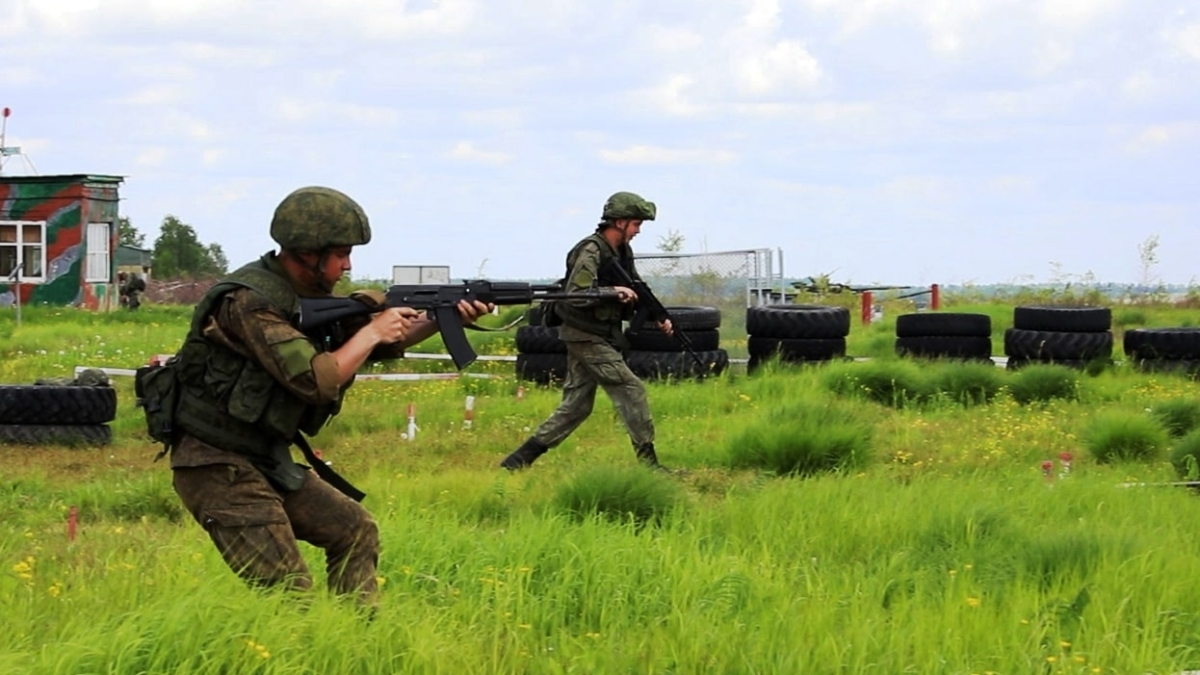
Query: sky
903, 142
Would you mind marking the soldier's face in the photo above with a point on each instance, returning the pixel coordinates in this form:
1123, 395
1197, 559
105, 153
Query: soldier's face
336, 265
629, 229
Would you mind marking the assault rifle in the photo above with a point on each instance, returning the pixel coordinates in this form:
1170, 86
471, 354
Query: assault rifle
650, 308
441, 303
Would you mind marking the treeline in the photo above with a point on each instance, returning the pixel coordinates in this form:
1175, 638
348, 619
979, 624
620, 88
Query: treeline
177, 252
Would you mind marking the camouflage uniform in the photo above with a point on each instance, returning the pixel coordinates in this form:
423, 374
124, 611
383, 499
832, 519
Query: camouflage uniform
250, 381
593, 333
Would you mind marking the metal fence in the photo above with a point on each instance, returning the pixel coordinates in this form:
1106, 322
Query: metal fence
751, 276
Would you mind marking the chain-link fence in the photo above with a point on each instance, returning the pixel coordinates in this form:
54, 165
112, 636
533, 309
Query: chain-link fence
728, 280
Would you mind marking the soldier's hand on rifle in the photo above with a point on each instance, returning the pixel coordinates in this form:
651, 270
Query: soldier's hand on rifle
469, 311
666, 326
392, 324
625, 294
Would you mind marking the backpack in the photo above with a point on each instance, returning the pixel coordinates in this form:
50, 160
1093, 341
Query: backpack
157, 389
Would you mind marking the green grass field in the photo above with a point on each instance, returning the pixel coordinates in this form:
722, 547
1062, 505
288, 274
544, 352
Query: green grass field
827, 523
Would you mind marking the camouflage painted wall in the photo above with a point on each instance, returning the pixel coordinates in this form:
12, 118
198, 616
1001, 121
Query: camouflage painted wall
67, 204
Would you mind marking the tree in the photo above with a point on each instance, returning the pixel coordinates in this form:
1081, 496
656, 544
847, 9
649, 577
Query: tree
671, 242
128, 235
1148, 255
178, 252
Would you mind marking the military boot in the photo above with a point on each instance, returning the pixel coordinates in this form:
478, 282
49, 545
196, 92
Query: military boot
524, 455
646, 455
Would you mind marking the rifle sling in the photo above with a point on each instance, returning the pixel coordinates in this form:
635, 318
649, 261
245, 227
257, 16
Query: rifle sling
326, 472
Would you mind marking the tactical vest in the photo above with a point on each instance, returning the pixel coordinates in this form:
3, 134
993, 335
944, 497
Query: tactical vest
604, 318
227, 399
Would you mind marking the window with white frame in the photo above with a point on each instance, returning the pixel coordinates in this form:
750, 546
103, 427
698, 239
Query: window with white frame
23, 242
99, 251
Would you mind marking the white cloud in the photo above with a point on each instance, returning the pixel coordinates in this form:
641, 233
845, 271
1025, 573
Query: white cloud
675, 39
786, 66
311, 19
648, 154
18, 75
671, 97
506, 118
825, 112
160, 94
227, 55
212, 157
1141, 85
1158, 135
305, 110
465, 150
1186, 40
151, 158
1011, 185
1074, 13
181, 124
1050, 56
921, 188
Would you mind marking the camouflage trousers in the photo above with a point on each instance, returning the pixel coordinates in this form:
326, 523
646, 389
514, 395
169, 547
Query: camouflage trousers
256, 528
591, 365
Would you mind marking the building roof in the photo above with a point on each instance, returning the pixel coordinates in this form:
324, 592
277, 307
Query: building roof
59, 178
132, 255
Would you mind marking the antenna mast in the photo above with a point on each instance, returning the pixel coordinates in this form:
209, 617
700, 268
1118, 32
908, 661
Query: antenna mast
6, 151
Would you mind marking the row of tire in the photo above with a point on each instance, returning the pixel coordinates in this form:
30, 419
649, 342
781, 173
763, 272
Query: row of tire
57, 414
1072, 336
652, 354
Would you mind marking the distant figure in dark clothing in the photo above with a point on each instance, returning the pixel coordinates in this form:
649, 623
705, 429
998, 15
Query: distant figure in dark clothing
130, 287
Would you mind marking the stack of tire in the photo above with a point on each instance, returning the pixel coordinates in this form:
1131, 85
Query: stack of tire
796, 333
1069, 336
57, 414
541, 356
1155, 350
655, 355
945, 335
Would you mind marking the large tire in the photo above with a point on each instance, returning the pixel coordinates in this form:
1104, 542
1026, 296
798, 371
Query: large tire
1057, 345
57, 404
539, 340
56, 434
792, 350
654, 340
676, 365
1062, 319
689, 318
1162, 343
1188, 367
542, 368
943, 323
945, 346
1077, 364
798, 321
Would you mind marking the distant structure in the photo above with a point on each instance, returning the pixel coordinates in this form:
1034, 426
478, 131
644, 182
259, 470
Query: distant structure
6, 151
58, 240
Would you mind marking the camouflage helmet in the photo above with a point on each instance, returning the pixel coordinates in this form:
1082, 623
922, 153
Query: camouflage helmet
628, 206
315, 218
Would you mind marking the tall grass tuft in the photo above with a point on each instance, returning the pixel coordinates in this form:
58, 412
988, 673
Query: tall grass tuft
1043, 383
803, 438
1185, 456
146, 496
624, 493
967, 384
1178, 415
1122, 435
893, 383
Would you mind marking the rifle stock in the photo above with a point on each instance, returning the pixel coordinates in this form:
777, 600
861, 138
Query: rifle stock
441, 303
